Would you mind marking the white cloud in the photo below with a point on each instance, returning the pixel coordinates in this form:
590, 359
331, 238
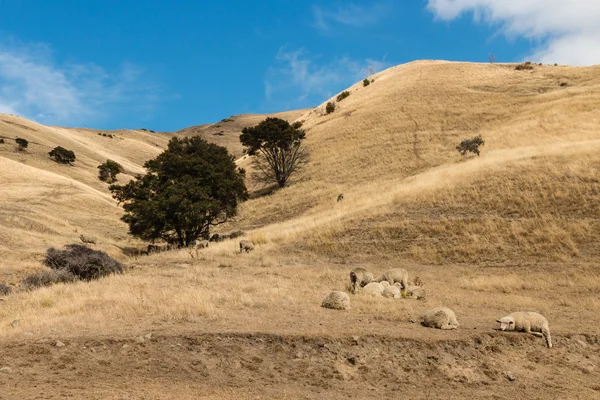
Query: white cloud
350, 14
309, 79
33, 85
568, 31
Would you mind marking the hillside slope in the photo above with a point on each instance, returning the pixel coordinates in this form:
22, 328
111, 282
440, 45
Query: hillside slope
390, 148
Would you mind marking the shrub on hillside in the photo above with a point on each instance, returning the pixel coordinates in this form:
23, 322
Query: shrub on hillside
4, 289
343, 95
470, 145
525, 66
330, 107
48, 278
83, 262
1, 141
62, 155
366, 82
109, 171
22, 143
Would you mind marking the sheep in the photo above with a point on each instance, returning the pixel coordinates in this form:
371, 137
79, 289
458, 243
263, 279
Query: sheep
392, 291
359, 277
87, 239
529, 322
394, 275
416, 292
336, 300
246, 245
200, 244
373, 288
440, 318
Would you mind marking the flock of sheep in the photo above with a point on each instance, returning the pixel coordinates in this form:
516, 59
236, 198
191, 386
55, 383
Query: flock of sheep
394, 283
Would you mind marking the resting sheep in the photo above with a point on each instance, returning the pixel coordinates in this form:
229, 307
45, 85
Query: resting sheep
395, 275
336, 300
246, 245
416, 292
201, 244
392, 291
440, 318
527, 321
359, 277
373, 288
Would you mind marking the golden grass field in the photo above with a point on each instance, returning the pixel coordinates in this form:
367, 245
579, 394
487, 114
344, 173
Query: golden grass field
514, 229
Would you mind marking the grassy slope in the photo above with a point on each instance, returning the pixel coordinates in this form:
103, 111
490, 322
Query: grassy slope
513, 229
389, 148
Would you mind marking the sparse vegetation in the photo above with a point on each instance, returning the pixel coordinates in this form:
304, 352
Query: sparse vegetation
190, 187
330, 107
48, 278
21, 143
470, 145
5, 289
109, 171
278, 150
524, 66
343, 95
1, 141
62, 155
85, 263
147, 130
366, 82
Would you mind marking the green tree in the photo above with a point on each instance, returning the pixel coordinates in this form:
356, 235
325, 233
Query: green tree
109, 171
277, 149
62, 155
22, 143
188, 188
471, 145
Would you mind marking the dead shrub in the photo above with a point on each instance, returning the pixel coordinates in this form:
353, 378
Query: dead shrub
5, 289
85, 263
48, 278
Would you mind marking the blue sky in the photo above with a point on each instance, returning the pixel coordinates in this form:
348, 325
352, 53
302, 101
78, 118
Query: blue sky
165, 65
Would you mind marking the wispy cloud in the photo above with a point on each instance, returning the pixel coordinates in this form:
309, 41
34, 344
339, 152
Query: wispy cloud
566, 31
349, 14
299, 79
34, 85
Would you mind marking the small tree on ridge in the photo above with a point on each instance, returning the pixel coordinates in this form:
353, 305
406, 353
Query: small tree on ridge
278, 149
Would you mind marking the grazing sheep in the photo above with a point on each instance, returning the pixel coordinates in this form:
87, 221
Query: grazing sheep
416, 292
373, 288
440, 318
359, 277
200, 244
392, 291
246, 245
394, 275
336, 300
527, 321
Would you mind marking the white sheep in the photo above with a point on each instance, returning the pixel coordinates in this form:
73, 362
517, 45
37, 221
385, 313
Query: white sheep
373, 288
336, 300
392, 291
527, 321
394, 275
416, 292
440, 318
201, 244
246, 245
359, 277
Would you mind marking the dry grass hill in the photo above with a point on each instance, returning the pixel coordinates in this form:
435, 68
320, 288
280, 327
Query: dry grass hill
513, 229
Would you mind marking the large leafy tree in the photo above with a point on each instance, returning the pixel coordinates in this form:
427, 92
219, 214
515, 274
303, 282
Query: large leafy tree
190, 187
278, 149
